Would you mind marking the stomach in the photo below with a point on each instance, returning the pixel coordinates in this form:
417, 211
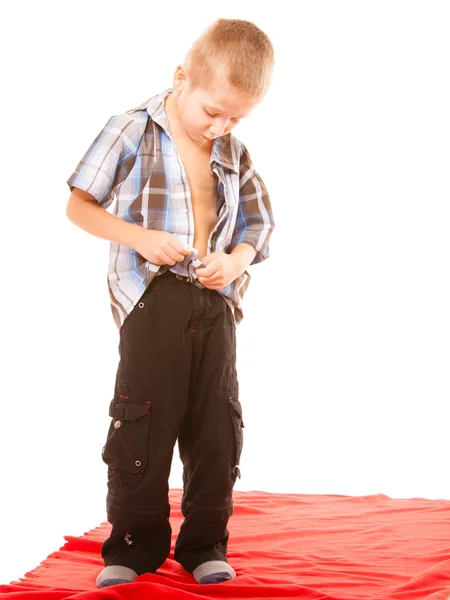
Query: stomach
202, 232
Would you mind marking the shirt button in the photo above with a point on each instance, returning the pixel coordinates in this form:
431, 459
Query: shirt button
117, 424
179, 276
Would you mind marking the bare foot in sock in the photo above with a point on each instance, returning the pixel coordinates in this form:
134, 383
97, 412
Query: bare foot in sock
114, 575
213, 571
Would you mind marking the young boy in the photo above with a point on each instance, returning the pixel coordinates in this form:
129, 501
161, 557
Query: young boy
186, 189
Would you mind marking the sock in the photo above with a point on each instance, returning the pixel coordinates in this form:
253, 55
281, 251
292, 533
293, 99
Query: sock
213, 571
115, 574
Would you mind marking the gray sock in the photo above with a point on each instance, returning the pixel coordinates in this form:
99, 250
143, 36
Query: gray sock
213, 571
115, 574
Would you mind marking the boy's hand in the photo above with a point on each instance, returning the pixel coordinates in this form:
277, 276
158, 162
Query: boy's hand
161, 247
221, 269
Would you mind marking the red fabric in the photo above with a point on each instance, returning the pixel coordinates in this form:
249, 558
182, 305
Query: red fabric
281, 546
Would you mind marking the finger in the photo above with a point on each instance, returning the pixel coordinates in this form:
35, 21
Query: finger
213, 286
175, 254
208, 258
180, 249
209, 270
163, 258
206, 275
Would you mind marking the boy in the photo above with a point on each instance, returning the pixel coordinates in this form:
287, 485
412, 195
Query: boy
186, 189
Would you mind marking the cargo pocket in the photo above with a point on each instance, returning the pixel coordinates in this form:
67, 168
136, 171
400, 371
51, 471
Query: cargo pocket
128, 442
237, 424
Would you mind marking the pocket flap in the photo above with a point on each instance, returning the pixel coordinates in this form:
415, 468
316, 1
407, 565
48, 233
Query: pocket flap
129, 412
135, 411
111, 408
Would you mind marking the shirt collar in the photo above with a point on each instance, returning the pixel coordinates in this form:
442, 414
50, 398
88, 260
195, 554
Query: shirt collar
225, 149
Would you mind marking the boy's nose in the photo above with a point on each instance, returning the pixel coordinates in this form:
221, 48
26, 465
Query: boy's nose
218, 129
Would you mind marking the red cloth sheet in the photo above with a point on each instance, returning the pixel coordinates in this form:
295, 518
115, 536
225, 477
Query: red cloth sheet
325, 547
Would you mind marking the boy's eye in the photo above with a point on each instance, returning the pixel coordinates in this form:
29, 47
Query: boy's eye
211, 115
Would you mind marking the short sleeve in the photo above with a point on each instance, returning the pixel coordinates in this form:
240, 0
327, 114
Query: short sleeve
102, 167
254, 222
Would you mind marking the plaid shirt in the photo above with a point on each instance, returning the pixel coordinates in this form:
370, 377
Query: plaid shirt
134, 160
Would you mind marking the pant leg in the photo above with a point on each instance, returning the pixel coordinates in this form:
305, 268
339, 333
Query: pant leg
150, 399
210, 441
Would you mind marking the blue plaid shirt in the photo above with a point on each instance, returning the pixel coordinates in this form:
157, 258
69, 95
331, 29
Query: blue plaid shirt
134, 160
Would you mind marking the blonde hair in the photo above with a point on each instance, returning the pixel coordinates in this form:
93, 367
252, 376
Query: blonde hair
232, 53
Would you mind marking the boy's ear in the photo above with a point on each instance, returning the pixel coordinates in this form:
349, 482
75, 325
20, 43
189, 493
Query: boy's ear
180, 78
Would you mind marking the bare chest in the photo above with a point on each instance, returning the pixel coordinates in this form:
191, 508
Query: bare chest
203, 188
202, 183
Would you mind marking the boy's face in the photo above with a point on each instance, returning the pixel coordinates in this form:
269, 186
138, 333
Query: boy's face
207, 114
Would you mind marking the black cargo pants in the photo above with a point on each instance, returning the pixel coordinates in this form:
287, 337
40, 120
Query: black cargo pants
176, 379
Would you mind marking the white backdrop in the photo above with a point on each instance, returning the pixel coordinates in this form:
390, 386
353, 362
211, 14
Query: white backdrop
343, 354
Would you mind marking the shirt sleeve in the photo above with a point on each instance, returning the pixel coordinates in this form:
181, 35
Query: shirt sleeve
254, 221
108, 160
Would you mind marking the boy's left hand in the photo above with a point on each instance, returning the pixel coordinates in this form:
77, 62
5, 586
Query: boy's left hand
221, 269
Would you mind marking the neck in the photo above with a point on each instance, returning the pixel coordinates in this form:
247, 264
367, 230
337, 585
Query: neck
175, 127
171, 108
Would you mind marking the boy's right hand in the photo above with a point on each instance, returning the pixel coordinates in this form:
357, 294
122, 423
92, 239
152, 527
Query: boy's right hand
161, 247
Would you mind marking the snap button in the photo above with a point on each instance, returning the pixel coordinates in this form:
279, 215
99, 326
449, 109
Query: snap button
179, 277
141, 305
117, 424
138, 463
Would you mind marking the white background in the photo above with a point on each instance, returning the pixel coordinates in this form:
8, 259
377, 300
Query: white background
343, 354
